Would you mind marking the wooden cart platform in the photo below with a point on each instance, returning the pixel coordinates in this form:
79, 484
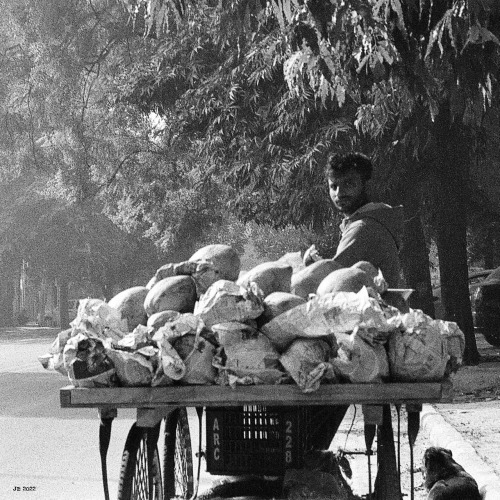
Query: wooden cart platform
269, 395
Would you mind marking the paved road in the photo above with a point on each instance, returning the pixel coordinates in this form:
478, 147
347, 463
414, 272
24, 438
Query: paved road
49, 452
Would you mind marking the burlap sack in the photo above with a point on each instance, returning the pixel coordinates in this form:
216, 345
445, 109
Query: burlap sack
327, 315
247, 357
130, 304
172, 364
177, 293
158, 319
87, 363
306, 362
140, 337
165, 271
184, 324
455, 340
277, 303
347, 279
306, 320
418, 351
53, 360
132, 368
203, 272
374, 273
225, 259
197, 355
307, 280
97, 318
293, 259
359, 361
269, 277
226, 301
204, 276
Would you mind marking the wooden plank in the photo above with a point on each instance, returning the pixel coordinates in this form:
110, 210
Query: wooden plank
269, 395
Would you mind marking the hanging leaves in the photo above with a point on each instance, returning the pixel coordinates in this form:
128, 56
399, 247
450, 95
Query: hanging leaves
480, 35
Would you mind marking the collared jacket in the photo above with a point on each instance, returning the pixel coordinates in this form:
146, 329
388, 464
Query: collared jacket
373, 233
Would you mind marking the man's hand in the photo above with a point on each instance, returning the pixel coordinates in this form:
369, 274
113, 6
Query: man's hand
311, 255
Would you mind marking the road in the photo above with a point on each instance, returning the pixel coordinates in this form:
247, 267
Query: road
49, 452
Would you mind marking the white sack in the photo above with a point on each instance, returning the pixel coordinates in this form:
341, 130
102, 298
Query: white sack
226, 301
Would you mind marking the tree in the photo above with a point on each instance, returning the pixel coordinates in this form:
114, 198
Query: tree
68, 243
413, 73
59, 101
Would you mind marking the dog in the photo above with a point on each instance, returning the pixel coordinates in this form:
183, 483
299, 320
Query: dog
445, 479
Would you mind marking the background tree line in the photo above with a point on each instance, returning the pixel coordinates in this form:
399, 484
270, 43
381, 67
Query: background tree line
184, 123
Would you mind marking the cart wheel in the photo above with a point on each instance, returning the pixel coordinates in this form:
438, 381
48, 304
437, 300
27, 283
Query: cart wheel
177, 456
140, 472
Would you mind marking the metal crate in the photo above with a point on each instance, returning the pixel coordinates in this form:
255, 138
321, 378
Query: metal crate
255, 439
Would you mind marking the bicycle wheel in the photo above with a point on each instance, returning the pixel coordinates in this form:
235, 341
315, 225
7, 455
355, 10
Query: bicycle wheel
177, 456
140, 472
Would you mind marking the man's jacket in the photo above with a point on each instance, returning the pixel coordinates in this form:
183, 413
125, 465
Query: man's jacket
373, 233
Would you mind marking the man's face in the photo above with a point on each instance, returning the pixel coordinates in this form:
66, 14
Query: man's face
347, 191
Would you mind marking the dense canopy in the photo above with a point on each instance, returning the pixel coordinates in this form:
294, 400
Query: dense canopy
190, 122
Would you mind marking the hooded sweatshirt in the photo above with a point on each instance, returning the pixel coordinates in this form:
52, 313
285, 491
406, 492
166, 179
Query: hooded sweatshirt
373, 233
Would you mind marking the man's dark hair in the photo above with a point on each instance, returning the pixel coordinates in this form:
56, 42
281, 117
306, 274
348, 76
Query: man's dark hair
339, 164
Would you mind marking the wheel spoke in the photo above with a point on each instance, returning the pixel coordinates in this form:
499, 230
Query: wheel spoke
178, 463
134, 475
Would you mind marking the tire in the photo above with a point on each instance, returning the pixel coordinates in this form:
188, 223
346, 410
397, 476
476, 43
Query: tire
177, 456
140, 468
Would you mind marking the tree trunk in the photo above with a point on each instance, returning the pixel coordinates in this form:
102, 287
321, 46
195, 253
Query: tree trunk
451, 174
63, 303
7, 302
10, 279
415, 254
43, 301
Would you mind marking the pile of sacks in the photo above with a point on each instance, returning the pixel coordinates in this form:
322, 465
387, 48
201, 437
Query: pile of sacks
204, 322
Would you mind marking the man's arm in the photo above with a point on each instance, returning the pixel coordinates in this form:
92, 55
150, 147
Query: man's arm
358, 242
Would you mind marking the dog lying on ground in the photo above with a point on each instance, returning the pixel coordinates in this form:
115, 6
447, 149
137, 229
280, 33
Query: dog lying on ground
445, 479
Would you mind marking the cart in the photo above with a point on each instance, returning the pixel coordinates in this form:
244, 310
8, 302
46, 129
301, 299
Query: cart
140, 474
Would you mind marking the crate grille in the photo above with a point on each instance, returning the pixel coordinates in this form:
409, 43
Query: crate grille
255, 439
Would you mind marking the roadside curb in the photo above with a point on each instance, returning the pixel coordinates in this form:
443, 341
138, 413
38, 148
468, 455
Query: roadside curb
442, 434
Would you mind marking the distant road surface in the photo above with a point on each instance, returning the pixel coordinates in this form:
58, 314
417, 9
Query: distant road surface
49, 452
46, 452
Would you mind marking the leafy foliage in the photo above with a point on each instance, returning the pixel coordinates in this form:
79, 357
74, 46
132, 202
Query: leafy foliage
257, 142
61, 240
228, 108
305, 78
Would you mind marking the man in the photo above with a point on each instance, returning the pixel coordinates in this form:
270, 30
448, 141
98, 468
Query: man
370, 231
